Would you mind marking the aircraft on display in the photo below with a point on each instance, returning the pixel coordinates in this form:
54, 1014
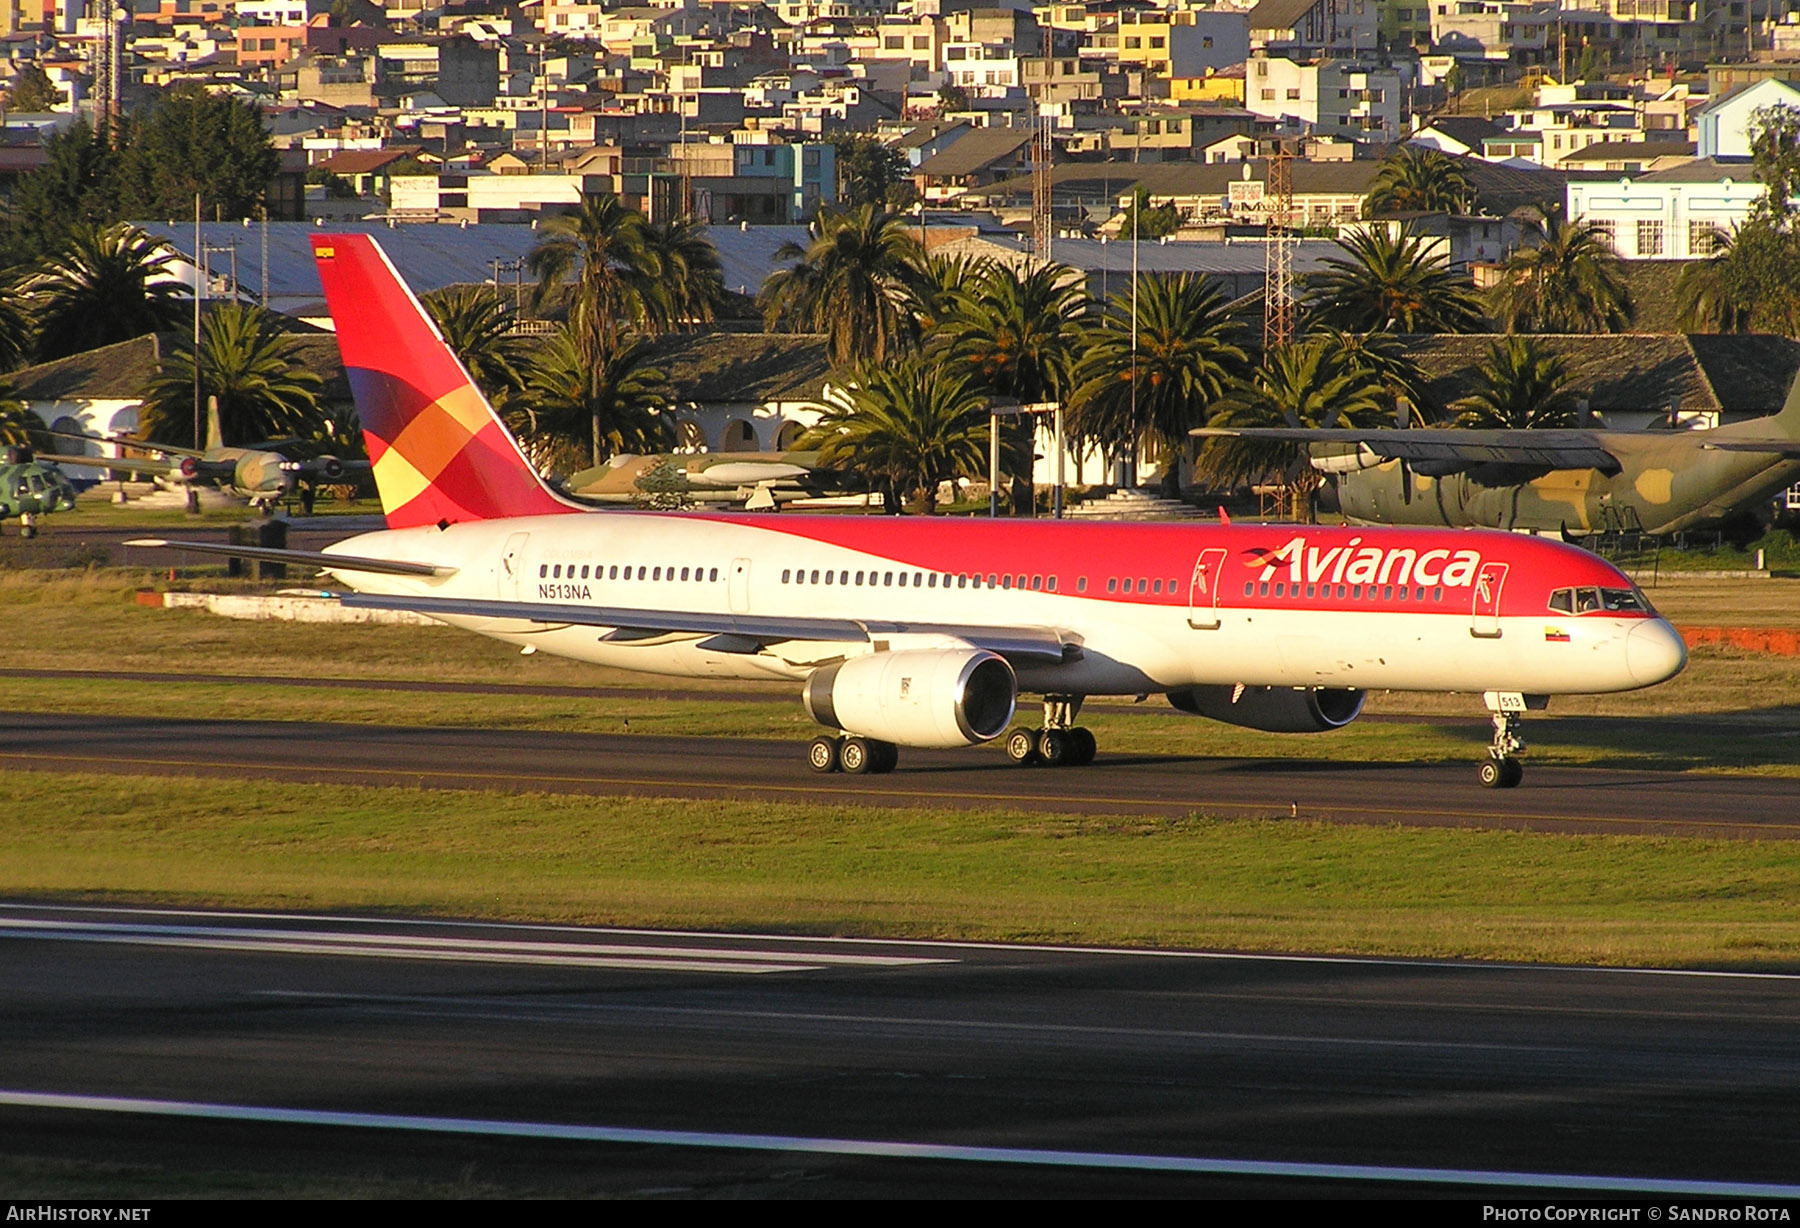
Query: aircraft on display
259, 473
755, 479
925, 631
30, 487
1575, 482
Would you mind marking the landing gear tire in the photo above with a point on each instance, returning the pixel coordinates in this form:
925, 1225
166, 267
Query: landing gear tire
1053, 747
1022, 746
884, 757
855, 756
822, 754
1501, 773
1082, 747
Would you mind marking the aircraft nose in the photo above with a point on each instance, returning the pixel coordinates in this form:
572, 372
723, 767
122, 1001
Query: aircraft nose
1654, 652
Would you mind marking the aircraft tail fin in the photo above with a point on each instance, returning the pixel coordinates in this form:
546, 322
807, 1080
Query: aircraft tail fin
215, 435
1788, 420
439, 451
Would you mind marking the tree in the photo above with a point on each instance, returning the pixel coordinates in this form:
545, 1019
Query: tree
1315, 382
194, 143
105, 286
1416, 180
1520, 385
1189, 350
1143, 220
688, 279
1391, 280
870, 171
1710, 296
1774, 134
247, 362
605, 246
931, 289
953, 98
1386, 357
32, 90
851, 283
78, 183
1017, 336
907, 425
477, 324
1568, 282
607, 407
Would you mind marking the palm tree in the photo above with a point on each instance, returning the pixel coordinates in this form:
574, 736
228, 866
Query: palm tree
601, 408
1520, 385
1316, 382
1385, 356
907, 425
19, 427
850, 283
1189, 350
1569, 282
16, 333
605, 246
247, 362
107, 284
1391, 281
1709, 296
1017, 336
477, 324
1416, 180
689, 280
932, 287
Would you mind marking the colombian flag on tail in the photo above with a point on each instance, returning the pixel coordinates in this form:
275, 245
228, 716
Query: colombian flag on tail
440, 453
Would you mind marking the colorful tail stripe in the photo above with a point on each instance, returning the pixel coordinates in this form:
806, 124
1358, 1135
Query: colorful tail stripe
439, 452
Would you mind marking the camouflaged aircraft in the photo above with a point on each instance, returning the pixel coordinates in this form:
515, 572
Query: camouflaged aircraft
260, 474
754, 479
30, 487
1576, 482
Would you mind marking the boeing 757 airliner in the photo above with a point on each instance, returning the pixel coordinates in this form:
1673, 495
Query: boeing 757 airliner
925, 631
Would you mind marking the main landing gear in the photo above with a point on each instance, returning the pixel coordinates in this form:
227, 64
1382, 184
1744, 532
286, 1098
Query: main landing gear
1060, 742
1502, 769
832, 753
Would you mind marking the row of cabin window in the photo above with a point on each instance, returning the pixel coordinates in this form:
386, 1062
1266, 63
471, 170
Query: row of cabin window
1381, 592
557, 571
1123, 585
920, 579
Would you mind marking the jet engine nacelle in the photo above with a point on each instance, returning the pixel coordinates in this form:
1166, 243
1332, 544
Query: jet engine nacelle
330, 468
934, 698
1273, 709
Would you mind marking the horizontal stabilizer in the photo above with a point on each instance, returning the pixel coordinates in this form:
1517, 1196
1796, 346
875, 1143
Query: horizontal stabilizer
301, 558
1449, 449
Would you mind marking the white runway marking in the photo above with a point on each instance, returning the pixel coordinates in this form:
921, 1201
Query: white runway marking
297, 939
938, 945
884, 1149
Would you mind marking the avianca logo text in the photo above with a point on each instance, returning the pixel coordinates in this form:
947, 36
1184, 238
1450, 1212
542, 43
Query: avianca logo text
1352, 564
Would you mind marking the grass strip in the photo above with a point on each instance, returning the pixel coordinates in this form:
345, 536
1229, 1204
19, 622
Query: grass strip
1003, 875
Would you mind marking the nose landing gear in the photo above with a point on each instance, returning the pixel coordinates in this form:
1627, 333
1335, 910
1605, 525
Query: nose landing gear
1502, 769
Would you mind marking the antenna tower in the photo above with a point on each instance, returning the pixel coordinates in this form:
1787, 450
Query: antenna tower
1278, 252
1043, 222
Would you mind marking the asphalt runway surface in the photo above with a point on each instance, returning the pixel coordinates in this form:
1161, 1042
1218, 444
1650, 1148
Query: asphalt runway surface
1559, 799
586, 1061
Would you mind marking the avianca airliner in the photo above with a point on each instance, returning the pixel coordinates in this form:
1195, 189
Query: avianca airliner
926, 631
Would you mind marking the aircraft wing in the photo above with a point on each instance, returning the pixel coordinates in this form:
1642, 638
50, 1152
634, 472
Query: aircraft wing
300, 558
1768, 447
116, 464
1445, 450
730, 632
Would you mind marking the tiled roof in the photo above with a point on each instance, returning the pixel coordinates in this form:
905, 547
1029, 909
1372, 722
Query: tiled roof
974, 151
744, 367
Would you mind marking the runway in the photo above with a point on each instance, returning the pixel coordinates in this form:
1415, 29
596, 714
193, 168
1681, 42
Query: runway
564, 1060
1551, 799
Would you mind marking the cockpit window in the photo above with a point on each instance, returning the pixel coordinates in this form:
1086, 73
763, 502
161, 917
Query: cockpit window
1600, 601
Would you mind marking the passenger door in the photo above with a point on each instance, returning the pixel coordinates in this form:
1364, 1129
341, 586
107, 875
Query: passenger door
740, 586
1204, 590
512, 567
1485, 619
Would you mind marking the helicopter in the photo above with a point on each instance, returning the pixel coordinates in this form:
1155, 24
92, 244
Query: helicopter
30, 488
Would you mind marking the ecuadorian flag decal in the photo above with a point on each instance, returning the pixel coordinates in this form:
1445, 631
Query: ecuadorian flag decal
1555, 635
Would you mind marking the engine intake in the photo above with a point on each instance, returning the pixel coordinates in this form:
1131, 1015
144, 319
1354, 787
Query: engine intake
1273, 709
952, 697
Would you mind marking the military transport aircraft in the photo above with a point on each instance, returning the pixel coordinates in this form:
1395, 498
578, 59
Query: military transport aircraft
755, 479
260, 473
1572, 481
924, 631
30, 487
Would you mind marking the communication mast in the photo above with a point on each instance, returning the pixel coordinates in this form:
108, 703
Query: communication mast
1278, 253
108, 60
1043, 222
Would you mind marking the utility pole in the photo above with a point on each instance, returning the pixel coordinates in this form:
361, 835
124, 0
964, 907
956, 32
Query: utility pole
199, 296
1043, 218
1278, 256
